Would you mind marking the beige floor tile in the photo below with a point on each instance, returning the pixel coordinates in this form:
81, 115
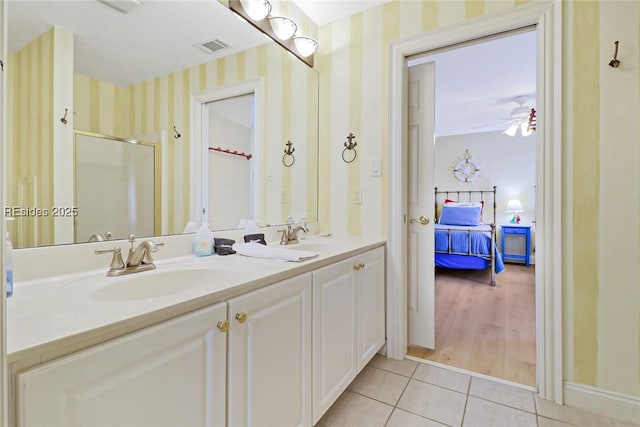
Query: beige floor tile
443, 377
402, 367
354, 410
501, 393
380, 385
400, 418
482, 413
548, 422
572, 415
430, 401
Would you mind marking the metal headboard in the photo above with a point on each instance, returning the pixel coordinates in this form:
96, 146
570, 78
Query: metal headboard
467, 196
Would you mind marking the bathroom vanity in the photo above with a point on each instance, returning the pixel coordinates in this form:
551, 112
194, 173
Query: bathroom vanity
198, 341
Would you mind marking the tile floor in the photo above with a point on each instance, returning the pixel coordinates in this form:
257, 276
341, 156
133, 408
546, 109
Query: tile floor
395, 393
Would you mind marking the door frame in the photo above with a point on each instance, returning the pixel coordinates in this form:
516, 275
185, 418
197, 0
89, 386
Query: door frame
546, 16
199, 153
4, 379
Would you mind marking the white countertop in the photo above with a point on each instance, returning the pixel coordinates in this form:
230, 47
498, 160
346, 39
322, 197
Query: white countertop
58, 315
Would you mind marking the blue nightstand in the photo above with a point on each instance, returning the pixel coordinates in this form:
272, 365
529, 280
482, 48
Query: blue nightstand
518, 229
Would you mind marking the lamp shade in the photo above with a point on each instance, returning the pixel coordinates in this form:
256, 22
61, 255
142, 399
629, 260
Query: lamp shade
514, 206
256, 9
283, 27
306, 45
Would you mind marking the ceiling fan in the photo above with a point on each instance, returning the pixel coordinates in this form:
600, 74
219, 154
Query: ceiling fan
522, 117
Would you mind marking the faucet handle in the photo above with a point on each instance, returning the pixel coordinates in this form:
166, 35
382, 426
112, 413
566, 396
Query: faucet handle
132, 240
116, 262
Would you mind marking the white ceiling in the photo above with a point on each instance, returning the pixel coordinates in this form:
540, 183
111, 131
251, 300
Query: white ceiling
154, 39
476, 84
324, 11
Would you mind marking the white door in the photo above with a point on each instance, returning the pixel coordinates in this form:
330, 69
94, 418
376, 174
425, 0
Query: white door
269, 363
171, 374
421, 201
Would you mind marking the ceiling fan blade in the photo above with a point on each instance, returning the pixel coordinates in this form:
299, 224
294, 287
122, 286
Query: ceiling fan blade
492, 124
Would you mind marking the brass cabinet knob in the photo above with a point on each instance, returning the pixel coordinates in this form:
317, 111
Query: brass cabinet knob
223, 325
241, 317
422, 220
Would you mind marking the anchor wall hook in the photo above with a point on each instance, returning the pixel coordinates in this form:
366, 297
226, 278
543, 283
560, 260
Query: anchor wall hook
614, 63
288, 159
350, 145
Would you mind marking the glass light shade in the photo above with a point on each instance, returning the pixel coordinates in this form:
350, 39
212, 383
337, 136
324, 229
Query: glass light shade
306, 45
514, 206
524, 128
511, 130
256, 9
283, 27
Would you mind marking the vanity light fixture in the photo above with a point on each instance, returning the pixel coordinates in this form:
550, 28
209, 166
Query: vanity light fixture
306, 45
256, 9
281, 29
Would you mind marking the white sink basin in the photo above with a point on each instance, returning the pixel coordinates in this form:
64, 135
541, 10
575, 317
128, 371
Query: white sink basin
313, 246
157, 284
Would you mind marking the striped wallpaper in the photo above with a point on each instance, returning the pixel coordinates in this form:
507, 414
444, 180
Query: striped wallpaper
601, 111
290, 106
30, 148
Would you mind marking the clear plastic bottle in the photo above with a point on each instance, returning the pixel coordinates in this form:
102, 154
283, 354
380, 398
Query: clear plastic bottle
8, 265
202, 244
303, 222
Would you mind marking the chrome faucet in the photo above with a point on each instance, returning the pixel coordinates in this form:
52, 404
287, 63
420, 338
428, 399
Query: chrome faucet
139, 259
290, 234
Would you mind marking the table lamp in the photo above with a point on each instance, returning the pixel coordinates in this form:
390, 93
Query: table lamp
514, 206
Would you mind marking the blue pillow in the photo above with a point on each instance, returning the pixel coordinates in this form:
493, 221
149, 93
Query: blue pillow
460, 215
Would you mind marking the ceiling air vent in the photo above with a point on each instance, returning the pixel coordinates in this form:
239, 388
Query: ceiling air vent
124, 6
212, 46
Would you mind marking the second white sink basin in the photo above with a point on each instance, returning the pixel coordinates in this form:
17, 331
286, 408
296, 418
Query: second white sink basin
158, 284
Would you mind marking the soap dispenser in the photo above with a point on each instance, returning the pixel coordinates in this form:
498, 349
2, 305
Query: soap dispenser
202, 245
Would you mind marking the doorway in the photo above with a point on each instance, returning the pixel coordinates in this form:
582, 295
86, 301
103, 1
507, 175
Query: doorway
546, 16
481, 132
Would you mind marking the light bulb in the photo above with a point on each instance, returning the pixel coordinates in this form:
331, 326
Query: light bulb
511, 130
524, 128
306, 45
283, 27
256, 9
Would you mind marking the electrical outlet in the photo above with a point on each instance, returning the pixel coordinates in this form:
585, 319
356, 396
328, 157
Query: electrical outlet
357, 195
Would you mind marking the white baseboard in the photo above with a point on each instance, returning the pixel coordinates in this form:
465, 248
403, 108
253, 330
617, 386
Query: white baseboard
614, 405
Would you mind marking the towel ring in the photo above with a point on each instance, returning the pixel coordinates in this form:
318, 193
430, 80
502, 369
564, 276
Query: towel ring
350, 145
290, 162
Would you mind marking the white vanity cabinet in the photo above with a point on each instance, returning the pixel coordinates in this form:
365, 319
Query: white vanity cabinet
269, 364
348, 323
173, 373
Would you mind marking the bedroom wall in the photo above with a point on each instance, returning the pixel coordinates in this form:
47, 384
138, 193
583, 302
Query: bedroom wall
504, 161
601, 159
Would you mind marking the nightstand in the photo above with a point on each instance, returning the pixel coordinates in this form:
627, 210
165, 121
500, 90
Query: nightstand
521, 230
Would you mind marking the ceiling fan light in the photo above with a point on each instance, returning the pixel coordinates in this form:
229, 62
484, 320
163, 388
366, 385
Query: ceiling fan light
306, 45
283, 27
524, 128
256, 9
511, 130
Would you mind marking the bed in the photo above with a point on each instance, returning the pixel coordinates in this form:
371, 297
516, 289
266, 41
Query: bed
464, 238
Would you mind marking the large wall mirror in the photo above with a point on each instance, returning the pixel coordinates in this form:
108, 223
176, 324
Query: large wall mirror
130, 72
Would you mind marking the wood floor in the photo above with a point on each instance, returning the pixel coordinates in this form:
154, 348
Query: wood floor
486, 329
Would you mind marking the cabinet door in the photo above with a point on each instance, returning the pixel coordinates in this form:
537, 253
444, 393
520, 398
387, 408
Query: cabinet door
269, 381
371, 306
334, 333
171, 374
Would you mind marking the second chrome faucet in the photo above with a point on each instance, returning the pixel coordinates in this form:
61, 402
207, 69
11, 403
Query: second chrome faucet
139, 259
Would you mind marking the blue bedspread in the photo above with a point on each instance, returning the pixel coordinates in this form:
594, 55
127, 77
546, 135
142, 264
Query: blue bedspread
458, 256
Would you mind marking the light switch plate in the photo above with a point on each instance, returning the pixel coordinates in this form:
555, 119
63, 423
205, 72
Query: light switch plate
376, 168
